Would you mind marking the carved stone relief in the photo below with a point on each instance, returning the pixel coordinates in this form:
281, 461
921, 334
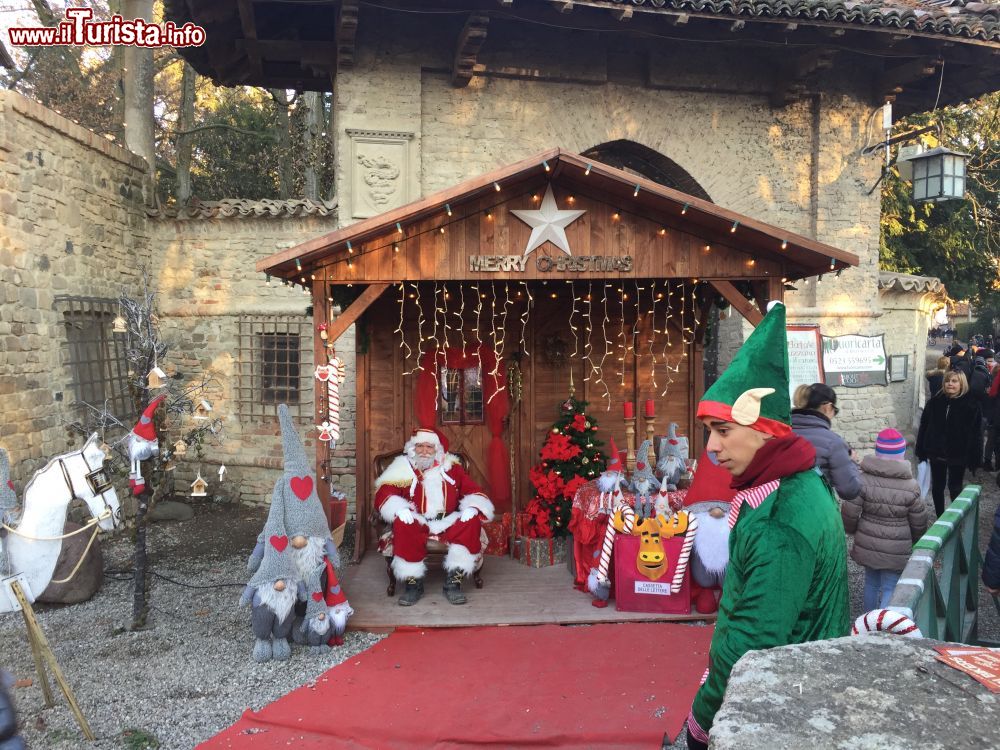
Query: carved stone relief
381, 171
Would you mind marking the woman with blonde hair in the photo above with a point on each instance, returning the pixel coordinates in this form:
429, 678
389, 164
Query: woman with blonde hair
948, 436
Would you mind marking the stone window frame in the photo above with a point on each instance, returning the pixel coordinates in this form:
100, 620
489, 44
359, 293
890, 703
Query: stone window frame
94, 354
265, 378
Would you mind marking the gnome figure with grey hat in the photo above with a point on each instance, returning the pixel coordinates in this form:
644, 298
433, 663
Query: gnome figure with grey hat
8, 509
297, 507
271, 594
644, 482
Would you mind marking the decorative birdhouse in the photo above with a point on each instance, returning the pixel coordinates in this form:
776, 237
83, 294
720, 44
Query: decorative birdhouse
180, 448
203, 410
118, 325
199, 487
156, 378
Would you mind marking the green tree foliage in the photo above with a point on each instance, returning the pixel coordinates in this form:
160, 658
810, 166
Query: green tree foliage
956, 241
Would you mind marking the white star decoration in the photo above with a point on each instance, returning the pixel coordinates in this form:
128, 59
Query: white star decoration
548, 223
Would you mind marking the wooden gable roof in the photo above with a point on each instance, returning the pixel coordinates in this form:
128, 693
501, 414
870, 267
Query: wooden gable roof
664, 232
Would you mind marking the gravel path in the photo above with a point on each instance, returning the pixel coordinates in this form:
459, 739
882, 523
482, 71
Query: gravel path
190, 675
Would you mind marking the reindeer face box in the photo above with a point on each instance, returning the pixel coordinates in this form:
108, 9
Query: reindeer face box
652, 560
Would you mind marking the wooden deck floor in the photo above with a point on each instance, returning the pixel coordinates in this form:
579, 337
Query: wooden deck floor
512, 594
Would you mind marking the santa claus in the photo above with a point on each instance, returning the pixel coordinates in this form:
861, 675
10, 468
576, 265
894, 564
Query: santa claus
424, 492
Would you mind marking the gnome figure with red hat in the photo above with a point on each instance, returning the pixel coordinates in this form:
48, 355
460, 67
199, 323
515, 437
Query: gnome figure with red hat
142, 445
426, 491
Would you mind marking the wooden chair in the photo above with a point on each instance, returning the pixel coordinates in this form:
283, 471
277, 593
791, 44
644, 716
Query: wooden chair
436, 550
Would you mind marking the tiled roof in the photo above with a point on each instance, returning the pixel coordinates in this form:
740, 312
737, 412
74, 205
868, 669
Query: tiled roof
973, 20
904, 282
238, 208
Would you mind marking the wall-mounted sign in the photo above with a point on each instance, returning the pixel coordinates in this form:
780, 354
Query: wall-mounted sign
854, 361
805, 356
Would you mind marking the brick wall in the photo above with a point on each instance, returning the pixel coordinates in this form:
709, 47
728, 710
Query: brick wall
71, 223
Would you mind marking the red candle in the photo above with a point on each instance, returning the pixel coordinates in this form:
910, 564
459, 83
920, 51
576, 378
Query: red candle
649, 408
629, 410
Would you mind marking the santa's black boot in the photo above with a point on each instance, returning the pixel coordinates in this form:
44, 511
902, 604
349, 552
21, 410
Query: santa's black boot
414, 590
453, 587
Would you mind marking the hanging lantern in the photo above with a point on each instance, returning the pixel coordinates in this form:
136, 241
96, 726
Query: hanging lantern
939, 175
118, 325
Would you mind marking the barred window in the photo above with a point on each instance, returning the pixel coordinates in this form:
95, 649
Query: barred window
461, 393
95, 355
275, 366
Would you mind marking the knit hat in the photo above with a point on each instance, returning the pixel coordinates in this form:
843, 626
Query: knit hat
278, 562
315, 601
334, 591
890, 444
642, 466
614, 460
144, 427
753, 390
8, 497
295, 491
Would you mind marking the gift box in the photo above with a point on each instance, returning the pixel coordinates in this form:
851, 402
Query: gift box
498, 535
634, 592
540, 552
521, 521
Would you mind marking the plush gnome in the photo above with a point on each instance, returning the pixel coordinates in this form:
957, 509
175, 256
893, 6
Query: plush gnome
8, 509
337, 607
295, 501
142, 444
707, 500
313, 629
673, 457
271, 594
611, 481
643, 482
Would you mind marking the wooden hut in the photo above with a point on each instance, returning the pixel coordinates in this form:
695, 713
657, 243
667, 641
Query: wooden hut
552, 275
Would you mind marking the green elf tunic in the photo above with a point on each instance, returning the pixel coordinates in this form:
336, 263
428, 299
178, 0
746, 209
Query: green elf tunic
768, 598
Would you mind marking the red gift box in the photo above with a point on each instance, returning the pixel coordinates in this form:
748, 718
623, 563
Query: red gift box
498, 534
634, 592
521, 521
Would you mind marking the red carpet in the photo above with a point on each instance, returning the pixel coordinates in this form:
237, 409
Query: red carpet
611, 685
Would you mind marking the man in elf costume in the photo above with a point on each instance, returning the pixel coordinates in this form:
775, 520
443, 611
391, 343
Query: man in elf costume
426, 491
787, 576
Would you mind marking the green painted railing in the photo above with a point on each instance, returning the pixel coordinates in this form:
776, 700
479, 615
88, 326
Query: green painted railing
939, 587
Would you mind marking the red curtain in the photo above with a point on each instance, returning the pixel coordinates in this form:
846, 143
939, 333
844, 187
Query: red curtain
496, 405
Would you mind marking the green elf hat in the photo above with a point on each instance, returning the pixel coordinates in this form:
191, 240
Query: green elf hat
753, 391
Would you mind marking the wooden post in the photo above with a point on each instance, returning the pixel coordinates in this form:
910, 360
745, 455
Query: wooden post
630, 444
650, 430
40, 646
321, 316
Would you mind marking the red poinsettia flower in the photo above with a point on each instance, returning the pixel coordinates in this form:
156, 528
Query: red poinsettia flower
579, 423
559, 448
569, 491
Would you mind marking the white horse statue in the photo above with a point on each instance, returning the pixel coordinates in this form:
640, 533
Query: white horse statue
32, 545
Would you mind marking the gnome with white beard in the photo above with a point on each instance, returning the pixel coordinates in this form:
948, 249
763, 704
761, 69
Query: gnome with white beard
142, 445
271, 594
708, 500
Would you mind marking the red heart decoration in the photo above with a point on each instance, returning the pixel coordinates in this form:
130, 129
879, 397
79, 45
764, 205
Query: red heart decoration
302, 487
640, 466
10, 483
279, 542
317, 596
672, 441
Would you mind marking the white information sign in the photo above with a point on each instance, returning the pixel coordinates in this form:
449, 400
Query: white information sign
805, 359
652, 587
854, 361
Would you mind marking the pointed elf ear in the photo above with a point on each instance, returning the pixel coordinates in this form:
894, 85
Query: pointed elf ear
746, 410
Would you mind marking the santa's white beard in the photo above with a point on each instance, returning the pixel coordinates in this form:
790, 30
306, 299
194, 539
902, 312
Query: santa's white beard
279, 602
711, 542
609, 481
422, 463
309, 557
318, 626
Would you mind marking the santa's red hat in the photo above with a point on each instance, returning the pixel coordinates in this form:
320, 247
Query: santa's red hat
428, 435
144, 427
614, 459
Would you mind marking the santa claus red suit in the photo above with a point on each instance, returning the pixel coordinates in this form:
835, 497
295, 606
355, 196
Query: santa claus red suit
426, 492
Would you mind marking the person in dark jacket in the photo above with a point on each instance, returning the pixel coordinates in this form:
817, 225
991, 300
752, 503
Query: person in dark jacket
991, 563
935, 376
815, 407
9, 738
949, 437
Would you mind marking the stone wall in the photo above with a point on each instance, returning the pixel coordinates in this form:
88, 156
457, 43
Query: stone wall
206, 279
71, 223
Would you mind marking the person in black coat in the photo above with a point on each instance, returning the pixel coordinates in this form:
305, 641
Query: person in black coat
949, 437
991, 563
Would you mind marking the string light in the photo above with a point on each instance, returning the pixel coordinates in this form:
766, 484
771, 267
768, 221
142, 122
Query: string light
546, 165
395, 247
707, 249
445, 296
447, 208
784, 244
607, 347
479, 340
496, 186
349, 248
399, 228
653, 298
399, 329
622, 343
489, 214
685, 209
524, 315
461, 315
588, 347
572, 315
298, 265
635, 193
267, 279
662, 231
615, 216
420, 328
733, 227
442, 230
832, 263
312, 277
586, 172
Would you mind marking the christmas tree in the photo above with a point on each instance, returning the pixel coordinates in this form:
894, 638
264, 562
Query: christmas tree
570, 457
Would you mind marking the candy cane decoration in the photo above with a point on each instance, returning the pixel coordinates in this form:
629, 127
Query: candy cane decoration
682, 561
333, 374
628, 521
